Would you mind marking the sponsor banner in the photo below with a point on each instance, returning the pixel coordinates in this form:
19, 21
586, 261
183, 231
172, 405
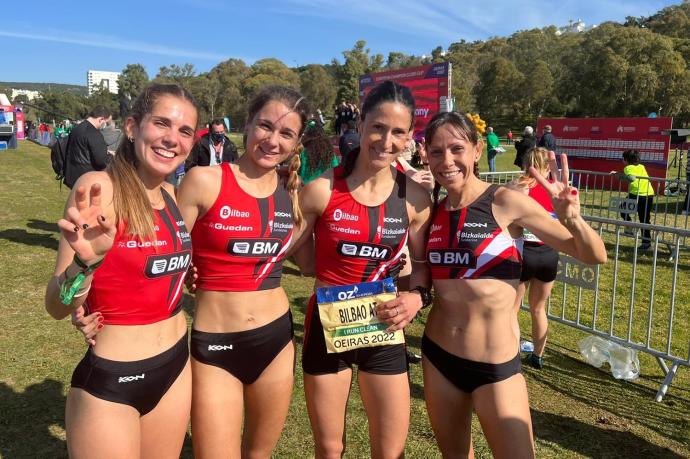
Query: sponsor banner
348, 316
597, 144
430, 86
574, 272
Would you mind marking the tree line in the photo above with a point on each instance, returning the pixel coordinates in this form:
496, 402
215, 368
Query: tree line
614, 69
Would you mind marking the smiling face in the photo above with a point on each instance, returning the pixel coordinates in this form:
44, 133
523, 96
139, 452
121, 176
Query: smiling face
451, 157
384, 133
164, 137
273, 134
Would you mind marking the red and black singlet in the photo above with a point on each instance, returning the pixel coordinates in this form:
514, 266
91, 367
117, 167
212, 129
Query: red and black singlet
358, 243
539, 194
140, 282
468, 243
240, 243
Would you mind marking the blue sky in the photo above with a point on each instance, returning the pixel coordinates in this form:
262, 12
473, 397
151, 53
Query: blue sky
49, 42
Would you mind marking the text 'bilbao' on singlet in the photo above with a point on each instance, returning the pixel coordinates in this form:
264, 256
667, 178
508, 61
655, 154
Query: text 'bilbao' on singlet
141, 282
359, 243
539, 194
240, 243
468, 243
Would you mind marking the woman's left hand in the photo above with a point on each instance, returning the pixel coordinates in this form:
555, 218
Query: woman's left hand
399, 312
565, 198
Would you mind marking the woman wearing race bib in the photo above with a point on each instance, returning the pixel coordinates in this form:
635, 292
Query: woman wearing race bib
539, 261
123, 255
361, 213
243, 219
470, 347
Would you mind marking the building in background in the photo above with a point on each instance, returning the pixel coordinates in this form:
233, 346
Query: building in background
30, 95
99, 78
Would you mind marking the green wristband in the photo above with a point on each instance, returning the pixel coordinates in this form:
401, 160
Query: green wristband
70, 287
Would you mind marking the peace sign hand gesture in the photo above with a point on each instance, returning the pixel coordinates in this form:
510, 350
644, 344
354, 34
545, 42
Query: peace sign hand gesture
85, 228
565, 199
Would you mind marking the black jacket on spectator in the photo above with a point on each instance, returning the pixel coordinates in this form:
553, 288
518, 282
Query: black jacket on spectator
548, 141
348, 142
522, 146
201, 154
86, 152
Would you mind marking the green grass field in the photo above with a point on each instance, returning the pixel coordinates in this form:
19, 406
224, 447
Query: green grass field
577, 410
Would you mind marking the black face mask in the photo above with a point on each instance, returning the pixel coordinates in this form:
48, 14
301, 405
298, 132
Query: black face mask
217, 137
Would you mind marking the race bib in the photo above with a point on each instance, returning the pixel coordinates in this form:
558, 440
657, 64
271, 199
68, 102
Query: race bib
530, 236
348, 316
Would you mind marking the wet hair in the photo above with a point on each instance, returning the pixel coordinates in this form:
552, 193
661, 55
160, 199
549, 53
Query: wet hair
133, 211
100, 111
317, 146
538, 158
631, 156
388, 91
294, 100
465, 128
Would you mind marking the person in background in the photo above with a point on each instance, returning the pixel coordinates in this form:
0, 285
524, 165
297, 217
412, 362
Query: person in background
509, 137
112, 136
524, 145
348, 141
492, 143
317, 155
547, 140
213, 148
539, 261
86, 147
640, 189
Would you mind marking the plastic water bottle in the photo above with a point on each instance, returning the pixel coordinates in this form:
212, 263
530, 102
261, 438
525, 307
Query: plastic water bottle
595, 350
526, 346
624, 363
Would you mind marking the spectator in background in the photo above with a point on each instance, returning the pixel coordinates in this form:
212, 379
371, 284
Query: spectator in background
319, 117
86, 147
348, 141
201, 132
524, 145
317, 155
112, 136
492, 143
213, 148
60, 131
640, 189
509, 137
548, 140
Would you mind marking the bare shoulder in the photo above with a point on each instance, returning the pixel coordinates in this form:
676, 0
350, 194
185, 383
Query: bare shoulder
315, 195
200, 186
506, 196
417, 196
202, 173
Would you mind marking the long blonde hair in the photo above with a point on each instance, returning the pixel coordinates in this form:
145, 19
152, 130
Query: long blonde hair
537, 157
133, 211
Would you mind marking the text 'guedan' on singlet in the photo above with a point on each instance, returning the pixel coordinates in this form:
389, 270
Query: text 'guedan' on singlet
358, 243
468, 243
140, 281
240, 243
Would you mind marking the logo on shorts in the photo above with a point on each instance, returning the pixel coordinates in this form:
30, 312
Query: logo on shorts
122, 379
220, 347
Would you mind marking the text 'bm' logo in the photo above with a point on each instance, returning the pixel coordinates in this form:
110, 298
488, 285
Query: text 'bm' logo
458, 258
364, 250
165, 265
254, 247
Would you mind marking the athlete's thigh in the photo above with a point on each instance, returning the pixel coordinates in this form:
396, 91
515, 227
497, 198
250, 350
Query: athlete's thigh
163, 429
450, 413
217, 405
99, 428
539, 292
503, 411
386, 400
266, 404
326, 397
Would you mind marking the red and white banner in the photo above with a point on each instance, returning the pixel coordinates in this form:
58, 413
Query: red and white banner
597, 144
430, 86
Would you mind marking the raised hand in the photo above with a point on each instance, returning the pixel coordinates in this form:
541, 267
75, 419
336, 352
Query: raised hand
85, 228
565, 198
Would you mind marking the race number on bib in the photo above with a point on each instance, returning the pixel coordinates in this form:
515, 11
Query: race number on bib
348, 316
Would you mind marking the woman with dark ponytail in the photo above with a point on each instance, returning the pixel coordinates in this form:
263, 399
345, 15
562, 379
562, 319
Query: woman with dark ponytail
317, 155
123, 255
243, 219
363, 213
470, 346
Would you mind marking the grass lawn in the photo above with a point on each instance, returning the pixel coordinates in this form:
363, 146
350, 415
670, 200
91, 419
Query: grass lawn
577, 410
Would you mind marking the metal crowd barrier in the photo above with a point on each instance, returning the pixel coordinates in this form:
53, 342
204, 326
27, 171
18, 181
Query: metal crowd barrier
638, 299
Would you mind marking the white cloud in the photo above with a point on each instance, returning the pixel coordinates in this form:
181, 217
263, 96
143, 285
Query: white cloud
112, 42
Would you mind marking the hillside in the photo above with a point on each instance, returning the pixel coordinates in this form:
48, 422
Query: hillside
80, 90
